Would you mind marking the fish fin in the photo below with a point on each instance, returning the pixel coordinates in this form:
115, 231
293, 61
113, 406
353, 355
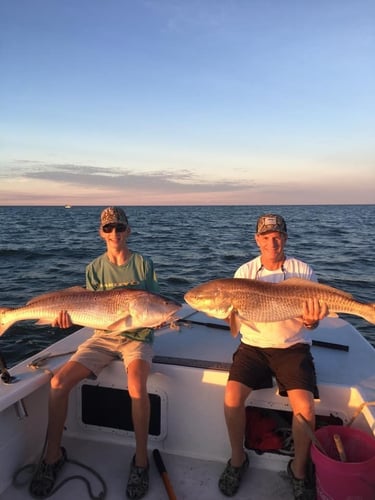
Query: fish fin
74, 289
234, 323
4, 325
120, 325
3, 329
250, 324
43, 321
57, 293
313, 285
5, 309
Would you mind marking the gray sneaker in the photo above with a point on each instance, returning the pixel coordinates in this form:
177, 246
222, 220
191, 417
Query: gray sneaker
44, 479
231, 477
302, 490
137, 482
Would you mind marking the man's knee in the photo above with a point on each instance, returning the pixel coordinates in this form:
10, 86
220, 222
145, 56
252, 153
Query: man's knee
235, 394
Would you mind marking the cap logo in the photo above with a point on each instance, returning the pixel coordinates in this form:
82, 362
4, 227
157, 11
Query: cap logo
270, 221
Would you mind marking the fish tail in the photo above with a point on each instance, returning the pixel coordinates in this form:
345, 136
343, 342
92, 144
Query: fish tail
369, 315
4, 324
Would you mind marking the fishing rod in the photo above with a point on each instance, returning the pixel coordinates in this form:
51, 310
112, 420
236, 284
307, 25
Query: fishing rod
317, 343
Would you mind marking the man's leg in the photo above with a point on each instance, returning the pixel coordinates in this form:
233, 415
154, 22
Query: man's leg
61, 385
63, 381
138, 481
138, 372
235, 418
301, 401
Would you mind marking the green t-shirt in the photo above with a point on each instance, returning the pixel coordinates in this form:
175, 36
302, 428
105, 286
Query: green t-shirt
138, 272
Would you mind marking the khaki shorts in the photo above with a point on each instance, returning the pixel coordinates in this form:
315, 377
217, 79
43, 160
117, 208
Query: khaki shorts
98, 351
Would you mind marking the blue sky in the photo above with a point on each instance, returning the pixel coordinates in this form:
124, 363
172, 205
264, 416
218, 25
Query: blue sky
165, 102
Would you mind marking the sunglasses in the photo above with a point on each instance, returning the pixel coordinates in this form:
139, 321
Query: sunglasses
119, 228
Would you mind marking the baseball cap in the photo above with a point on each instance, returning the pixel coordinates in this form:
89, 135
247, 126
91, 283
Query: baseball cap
113, 215
269, 223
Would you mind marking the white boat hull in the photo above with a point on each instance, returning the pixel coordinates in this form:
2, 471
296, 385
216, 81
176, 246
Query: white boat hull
188, 379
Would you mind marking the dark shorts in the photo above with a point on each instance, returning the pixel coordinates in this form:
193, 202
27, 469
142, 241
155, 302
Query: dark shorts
292, 367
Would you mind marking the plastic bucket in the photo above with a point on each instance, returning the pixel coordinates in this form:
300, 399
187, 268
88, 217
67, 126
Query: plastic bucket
350, 480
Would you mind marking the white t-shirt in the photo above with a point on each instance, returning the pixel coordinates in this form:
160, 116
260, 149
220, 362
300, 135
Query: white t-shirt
278, 334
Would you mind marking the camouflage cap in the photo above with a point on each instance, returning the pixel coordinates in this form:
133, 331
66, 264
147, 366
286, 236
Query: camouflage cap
113, 215
270, 223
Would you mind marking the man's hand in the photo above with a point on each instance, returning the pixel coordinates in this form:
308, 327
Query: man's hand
63, 320
312, 312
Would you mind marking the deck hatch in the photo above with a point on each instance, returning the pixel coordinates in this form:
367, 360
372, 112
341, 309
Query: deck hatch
110, 408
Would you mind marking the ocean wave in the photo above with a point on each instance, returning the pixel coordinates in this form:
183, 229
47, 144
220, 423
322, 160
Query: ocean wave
189, 245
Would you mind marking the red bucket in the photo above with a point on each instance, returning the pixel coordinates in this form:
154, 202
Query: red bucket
352, 479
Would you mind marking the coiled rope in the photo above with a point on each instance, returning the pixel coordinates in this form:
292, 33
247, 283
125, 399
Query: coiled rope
30, 469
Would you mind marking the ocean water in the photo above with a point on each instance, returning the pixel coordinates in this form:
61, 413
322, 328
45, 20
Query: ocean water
47, 248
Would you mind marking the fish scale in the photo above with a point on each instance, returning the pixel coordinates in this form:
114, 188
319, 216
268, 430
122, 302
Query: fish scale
114, 310
259, 301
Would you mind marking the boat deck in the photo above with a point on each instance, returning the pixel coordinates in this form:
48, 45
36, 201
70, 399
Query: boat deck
191, 479
188, 380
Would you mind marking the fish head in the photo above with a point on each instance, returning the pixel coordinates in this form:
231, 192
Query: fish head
211, 298
152, 310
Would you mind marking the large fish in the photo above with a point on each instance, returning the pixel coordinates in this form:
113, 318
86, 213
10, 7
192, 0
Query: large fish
241, 300
115, 310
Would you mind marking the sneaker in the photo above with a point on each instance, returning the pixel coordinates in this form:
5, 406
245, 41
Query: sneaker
45, 477
230, 479
138, 481
301, 489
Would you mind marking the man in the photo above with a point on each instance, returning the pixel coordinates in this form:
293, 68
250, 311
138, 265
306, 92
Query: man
280, 349
117, 267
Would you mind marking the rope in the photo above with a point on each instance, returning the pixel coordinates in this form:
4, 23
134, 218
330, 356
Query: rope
37, 363
41, 360
32, 468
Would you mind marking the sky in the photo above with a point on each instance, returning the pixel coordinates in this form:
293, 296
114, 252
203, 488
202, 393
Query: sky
187, 102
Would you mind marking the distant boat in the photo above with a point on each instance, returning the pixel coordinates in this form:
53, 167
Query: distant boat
68, 206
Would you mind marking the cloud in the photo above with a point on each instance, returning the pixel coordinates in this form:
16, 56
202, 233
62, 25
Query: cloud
179, 181
42, 183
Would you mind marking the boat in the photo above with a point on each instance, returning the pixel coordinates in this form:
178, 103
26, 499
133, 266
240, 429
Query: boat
187, 428
68, 206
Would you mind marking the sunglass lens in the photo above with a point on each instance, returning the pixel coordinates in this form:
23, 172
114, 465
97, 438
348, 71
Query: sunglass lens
119, 228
